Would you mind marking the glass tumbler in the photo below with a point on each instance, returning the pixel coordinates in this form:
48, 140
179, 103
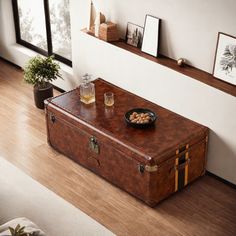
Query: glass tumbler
109, 99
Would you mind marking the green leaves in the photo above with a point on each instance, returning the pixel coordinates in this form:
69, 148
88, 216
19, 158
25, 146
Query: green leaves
19, 231
41, 70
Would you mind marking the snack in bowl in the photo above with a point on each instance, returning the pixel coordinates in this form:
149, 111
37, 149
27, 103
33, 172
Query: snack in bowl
140, 117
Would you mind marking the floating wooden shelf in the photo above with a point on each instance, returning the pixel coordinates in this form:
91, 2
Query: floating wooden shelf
187, 70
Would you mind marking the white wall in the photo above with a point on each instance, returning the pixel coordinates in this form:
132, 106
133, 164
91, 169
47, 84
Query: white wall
189, 27
189, 30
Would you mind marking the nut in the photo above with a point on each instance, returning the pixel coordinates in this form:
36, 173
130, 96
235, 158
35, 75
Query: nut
140, 118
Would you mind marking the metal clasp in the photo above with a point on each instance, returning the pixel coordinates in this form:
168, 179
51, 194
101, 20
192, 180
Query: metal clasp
93, 145
147, 168
52, 118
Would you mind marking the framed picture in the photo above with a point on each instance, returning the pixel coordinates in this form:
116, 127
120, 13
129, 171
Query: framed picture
151, 35
225, 58
134, 35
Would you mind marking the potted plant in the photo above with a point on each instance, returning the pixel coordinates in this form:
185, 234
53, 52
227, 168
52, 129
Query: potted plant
20, 231
40, 71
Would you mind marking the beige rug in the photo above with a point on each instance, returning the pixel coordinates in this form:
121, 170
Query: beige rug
21, 196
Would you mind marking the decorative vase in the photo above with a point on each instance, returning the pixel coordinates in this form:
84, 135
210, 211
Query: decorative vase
40, 94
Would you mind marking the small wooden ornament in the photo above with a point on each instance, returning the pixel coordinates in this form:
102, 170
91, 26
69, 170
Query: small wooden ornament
97, 24
92, 15
100, 19
181, 62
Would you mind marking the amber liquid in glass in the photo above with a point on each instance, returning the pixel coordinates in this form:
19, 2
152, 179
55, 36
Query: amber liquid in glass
109, 99
109, 103
87, 98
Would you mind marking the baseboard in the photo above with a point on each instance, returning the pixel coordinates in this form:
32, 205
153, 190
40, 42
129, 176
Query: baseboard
221, 179
58, 89
11, 63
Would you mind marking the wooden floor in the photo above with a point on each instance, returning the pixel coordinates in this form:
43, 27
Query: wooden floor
207, 207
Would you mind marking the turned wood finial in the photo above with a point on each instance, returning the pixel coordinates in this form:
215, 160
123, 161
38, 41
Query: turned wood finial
181, 62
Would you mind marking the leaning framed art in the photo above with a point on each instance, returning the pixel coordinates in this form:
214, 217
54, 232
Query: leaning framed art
151, 35
134, 35
225, 58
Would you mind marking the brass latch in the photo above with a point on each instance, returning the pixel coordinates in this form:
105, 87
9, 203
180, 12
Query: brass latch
147, 168
93, 145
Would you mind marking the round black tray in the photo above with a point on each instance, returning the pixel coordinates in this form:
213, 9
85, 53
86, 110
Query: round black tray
140, 110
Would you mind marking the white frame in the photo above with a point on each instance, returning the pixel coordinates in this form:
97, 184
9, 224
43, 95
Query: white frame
151, 35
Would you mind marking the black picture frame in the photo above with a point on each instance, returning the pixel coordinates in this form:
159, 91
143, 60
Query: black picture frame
134, 29
225, 58
151, 36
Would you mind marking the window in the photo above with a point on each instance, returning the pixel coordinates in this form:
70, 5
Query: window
44, 26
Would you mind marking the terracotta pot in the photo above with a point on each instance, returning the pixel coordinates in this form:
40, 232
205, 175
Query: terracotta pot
40, 94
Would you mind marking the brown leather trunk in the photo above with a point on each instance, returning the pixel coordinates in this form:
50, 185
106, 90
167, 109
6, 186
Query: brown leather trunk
150, 163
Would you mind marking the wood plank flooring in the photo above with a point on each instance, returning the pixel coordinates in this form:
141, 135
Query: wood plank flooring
207, 207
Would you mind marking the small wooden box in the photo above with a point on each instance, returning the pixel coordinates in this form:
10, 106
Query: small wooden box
108, 32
